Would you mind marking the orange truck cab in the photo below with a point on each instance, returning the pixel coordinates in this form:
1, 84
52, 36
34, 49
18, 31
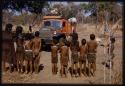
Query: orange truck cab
65, 26
53, 27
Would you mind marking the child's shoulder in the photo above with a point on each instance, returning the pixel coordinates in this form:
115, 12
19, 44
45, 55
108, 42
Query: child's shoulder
54, 46
83, 46
64, 46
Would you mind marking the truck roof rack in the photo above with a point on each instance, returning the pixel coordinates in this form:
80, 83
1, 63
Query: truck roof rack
52, 17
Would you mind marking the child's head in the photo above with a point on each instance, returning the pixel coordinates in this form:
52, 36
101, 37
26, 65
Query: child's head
37, 34
19, 29
8, 27
112, 40
63, 36
30, 29
63, 43
83, 41
92, 36
54, 41
28, 36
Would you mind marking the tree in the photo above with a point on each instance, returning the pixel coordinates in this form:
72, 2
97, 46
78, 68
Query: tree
32, 6
110, 7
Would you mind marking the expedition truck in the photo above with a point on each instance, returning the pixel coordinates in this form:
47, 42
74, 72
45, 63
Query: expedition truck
53, 27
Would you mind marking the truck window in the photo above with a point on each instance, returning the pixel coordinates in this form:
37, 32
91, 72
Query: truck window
47, 23
56, 24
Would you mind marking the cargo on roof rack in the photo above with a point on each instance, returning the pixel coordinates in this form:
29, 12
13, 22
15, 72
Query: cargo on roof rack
52, 17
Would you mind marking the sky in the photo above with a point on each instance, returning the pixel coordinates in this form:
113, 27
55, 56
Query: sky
64, 3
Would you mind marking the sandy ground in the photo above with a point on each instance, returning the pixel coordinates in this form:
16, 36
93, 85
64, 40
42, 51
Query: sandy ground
45, 75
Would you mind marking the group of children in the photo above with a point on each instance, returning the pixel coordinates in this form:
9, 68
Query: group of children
79, 56
27, 53
24, 52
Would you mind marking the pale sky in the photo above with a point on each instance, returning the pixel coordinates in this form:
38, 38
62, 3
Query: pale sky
65, 3
53, 2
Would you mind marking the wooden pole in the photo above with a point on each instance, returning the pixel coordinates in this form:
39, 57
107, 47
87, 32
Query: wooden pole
104, 64
96, 29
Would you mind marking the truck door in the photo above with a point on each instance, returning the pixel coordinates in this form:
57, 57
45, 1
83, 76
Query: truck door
63, 27
66, 27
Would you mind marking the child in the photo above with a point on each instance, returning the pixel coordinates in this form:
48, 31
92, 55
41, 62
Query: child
36, 46
54, 57
7, 47
28, 53
74, 47
83, 56
64, 58
110, 51
20, 49
92, 49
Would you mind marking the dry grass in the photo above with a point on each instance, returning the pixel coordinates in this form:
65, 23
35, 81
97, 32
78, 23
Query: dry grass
117, 75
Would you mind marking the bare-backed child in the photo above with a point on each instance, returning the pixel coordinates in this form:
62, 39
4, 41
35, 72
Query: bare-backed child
83, 56
7, 45
64, 59
54, 57
74, 47
36, 47
111, 47
91, 56
28, 53
20, 49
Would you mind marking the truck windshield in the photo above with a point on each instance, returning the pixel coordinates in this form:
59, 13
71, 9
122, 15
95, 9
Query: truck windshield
53, 23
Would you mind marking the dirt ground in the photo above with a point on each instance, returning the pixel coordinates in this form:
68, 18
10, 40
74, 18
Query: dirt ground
45, 75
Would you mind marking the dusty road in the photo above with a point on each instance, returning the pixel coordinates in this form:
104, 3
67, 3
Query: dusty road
45, 75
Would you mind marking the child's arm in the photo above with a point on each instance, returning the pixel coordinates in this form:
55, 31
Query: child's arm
51, 50
68, 54
39, 44
78, 47
87, 48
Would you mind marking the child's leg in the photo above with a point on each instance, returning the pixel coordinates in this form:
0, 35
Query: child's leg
72, 68
62, 70
18, 69
34, 65
65, 71
26, 66
55, 68
15, 67
21, 65
84, 67
52, 68
37, 66
10, 70
94, 68
76, 68
17, 63
31, 66
89, 68
80, 67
